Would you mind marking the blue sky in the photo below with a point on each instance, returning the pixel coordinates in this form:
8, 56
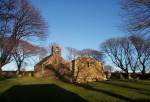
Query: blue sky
80, 23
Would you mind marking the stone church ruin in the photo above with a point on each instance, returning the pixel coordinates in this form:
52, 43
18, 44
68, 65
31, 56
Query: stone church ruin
80, 70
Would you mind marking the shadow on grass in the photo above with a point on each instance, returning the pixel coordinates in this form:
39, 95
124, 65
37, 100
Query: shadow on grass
86, 86
3, 78
118, 96
139, 90
140, 82
39, 93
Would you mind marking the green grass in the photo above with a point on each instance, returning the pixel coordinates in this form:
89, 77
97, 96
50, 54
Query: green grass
104, 91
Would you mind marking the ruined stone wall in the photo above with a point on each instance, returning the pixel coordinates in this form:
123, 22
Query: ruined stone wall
87, 70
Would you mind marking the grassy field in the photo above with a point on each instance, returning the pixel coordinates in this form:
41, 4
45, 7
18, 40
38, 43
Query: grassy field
29, 89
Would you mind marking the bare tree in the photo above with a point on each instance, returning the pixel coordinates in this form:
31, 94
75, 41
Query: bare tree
42, 53
98, 55
18, 20
136, 15
108, 68
142, 48
117, 49
129, 53
23, 51
5, 46
72, 53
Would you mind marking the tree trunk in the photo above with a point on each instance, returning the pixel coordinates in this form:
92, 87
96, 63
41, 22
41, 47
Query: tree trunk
143, 72
1, 65
127, 73
0, 70
133, 73
19, 68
